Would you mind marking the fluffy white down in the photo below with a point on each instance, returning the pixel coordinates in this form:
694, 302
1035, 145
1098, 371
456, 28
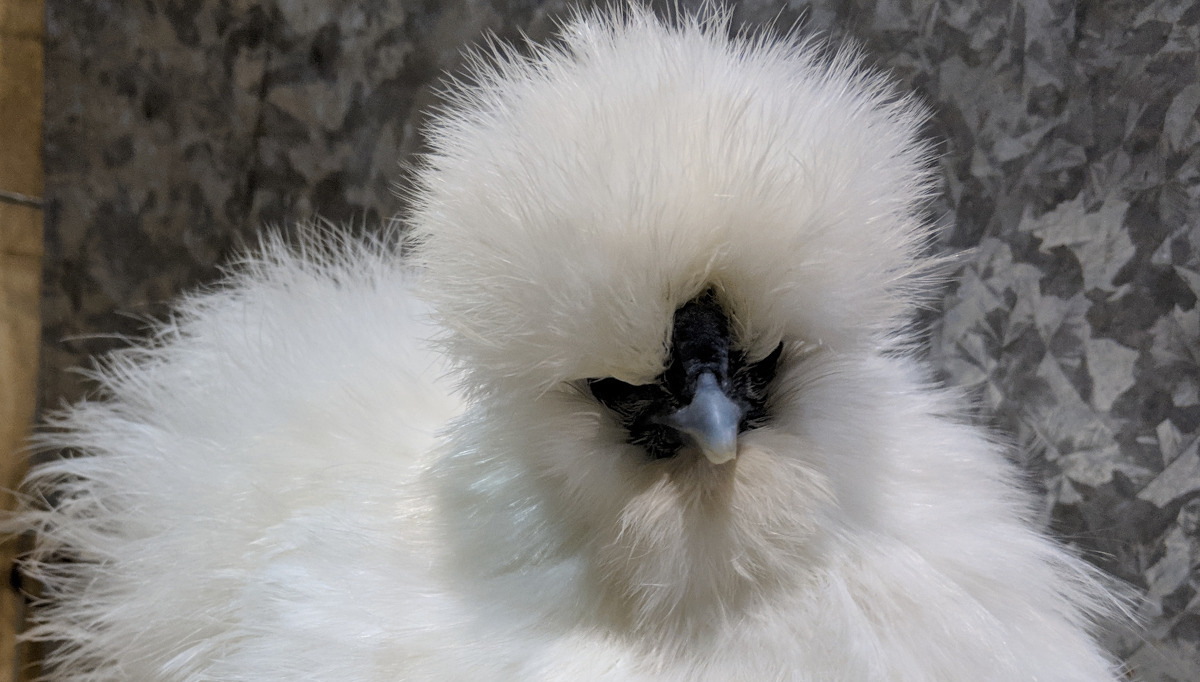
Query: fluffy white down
283, 485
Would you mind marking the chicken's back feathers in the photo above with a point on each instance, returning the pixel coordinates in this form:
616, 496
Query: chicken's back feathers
271, 414
283, 483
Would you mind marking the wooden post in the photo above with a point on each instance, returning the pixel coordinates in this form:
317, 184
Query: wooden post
21, 39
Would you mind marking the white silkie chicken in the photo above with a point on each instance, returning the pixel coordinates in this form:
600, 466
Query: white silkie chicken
670, 429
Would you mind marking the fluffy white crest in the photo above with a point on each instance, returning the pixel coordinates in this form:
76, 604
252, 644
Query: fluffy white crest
576, 197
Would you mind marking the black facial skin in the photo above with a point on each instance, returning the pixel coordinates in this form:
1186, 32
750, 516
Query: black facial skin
700, 343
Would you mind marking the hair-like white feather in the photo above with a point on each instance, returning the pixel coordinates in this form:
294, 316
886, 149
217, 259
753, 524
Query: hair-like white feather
281, 486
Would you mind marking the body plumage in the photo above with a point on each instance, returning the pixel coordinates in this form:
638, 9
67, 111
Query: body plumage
351, 464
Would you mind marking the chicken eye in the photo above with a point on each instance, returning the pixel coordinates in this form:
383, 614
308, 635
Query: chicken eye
751, 386
625, 399
639, 409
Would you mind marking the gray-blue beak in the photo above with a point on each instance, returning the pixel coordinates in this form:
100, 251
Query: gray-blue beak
711, 420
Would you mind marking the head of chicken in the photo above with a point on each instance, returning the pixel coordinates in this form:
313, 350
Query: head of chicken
665, 262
